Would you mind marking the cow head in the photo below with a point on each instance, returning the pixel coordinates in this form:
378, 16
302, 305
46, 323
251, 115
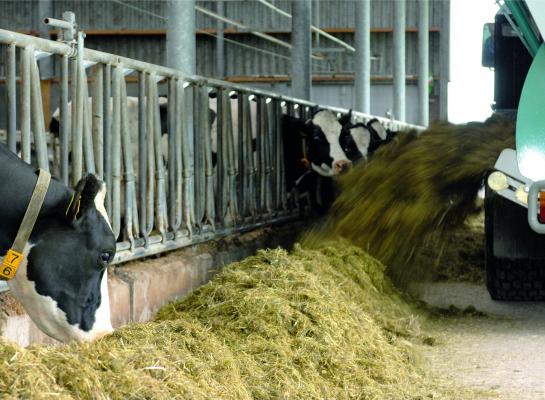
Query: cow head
62, 283
325, 154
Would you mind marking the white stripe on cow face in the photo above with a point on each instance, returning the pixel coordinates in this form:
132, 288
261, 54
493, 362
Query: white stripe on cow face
99, 204
379, 129
46, 314
362, 138
331, 127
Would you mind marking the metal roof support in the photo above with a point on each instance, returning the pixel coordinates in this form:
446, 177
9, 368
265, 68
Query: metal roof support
181, 46
301, 71
220, 43
399, 59
312, 27
362, 59
423, 62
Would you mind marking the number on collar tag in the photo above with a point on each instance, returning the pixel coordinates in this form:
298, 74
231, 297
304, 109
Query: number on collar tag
10, 264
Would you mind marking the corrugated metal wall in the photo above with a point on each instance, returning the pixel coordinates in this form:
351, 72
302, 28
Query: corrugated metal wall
97, 15
144, 39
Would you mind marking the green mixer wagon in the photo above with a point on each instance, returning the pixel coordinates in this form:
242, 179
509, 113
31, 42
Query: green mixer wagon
515, 190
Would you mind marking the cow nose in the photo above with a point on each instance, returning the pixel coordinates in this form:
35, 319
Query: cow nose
342, 166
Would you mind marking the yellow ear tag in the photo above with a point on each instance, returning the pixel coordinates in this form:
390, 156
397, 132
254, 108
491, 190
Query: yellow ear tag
10, 264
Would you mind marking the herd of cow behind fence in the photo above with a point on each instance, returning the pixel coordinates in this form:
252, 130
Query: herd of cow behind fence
207, 159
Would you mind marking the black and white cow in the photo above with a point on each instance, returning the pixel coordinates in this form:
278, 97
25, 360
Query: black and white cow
313, 156
360, 140
62, 282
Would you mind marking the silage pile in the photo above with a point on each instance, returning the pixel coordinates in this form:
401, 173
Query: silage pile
415, 190
313, 324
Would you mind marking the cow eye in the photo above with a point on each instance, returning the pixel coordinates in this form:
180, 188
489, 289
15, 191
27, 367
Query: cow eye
105, 258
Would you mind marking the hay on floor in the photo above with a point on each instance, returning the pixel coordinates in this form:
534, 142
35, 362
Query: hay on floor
312, 324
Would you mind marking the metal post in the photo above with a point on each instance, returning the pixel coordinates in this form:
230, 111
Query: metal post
181, 47
444, 61
142, 154
220, 44
98, 116
362, 58
40, 142
64, 128
25, 103
423, 62
44, 8
300, 53
107, 128
12, 97
399, 60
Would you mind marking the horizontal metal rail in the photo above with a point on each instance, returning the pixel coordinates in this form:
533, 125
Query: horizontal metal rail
21, 40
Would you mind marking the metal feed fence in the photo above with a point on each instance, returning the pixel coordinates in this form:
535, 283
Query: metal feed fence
158, 199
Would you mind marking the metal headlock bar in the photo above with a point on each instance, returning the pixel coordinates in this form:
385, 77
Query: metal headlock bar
159, 197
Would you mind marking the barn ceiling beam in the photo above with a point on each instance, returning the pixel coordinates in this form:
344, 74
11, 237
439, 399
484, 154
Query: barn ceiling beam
244, 27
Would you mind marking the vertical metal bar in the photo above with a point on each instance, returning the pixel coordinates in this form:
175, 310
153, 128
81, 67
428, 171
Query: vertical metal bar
239, 134
181, 47
178, 132
229, 148
77, 117
267, 157
116, 150
11, 97
142, 154
209, 209
98, 118
248, 157
444, 61
221, 159
362, 57
220, 43
399, 59
186, 140
301, 70
87, 138
150, 116
107, 113
26, 55
423, 62
172, 117
280, 164
259, 154
200, 174
40, 142
64, 127
131, 213
44, 9
161, 217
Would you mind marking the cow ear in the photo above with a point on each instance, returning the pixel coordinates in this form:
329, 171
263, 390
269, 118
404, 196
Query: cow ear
345, 119
87, 190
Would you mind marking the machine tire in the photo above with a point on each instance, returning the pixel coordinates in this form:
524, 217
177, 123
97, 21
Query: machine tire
518, 279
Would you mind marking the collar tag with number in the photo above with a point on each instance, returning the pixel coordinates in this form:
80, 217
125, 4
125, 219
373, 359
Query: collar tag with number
10, 264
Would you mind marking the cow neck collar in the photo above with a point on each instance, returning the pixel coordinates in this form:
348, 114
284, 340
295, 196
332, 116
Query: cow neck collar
15, 254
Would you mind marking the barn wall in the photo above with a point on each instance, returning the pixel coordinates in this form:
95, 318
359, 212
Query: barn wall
139, 33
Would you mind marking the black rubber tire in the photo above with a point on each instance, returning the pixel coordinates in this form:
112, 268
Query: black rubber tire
513, 279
